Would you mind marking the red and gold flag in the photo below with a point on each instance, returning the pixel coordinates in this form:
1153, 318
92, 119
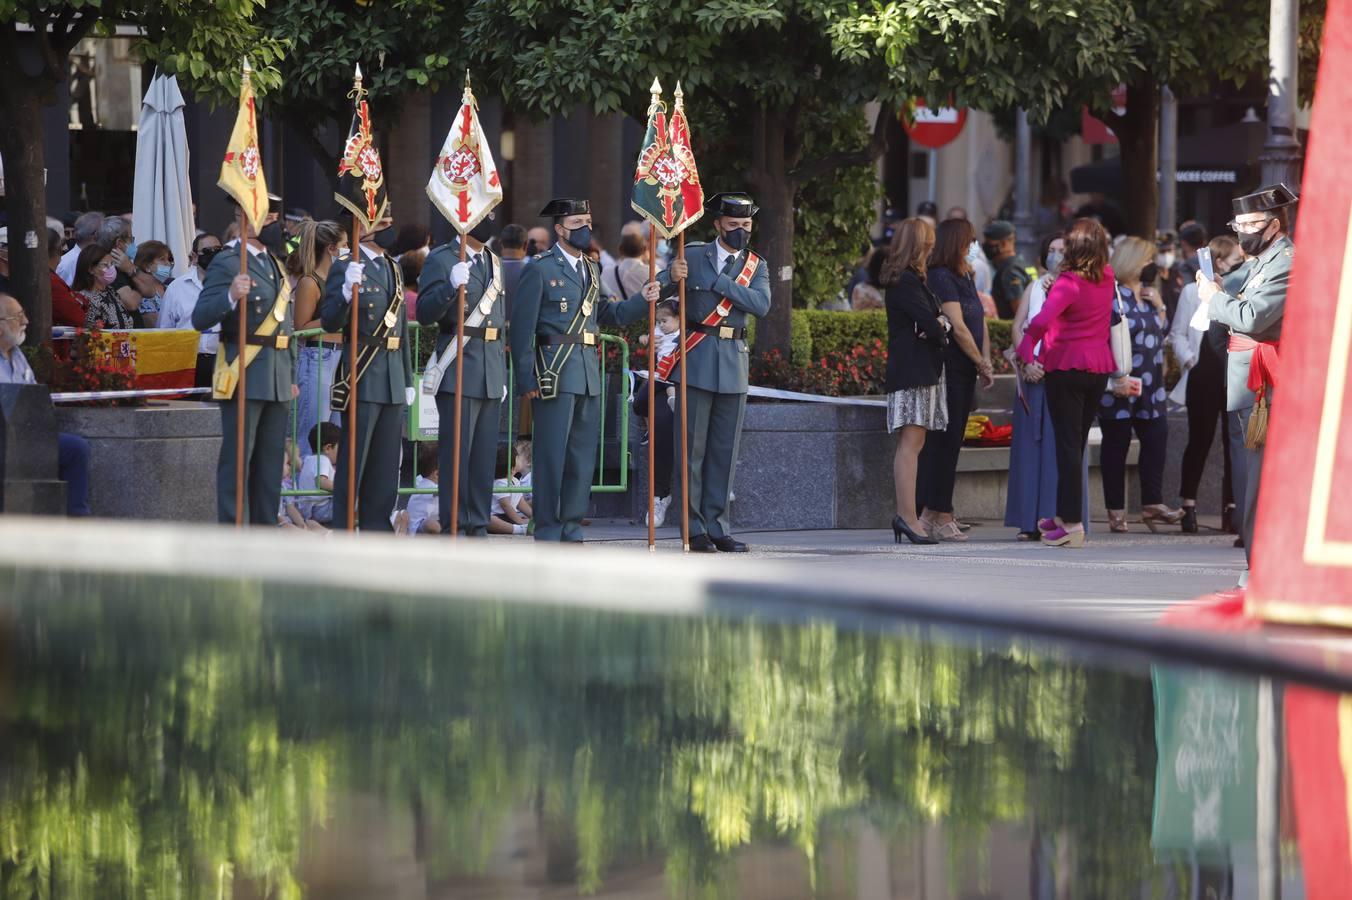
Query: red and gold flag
667, 190
242, 168
361, 175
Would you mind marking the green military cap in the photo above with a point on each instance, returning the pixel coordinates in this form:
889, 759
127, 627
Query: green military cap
998, 230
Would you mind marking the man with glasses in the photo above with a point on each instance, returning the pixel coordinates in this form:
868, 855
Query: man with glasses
1251, 302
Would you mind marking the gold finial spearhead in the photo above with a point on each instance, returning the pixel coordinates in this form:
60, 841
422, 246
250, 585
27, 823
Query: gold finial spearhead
357, 75
656, 89
680, 95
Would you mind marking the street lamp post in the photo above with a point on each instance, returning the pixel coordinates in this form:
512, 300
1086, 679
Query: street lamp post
1281, 156
1168, 214
1025, 237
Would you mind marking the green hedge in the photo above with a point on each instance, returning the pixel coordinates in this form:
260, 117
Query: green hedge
818, 333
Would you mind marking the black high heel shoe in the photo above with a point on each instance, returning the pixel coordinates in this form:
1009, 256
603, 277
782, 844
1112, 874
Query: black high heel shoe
899, 528
1189, 520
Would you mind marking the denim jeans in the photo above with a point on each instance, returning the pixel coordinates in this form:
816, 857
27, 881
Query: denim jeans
314, 377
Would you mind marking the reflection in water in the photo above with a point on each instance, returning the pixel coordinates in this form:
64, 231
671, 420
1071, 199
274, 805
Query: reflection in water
200, 739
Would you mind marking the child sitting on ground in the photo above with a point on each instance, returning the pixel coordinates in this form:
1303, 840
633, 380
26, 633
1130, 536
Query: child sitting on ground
316, 473
289, 515
422, 516
511, 510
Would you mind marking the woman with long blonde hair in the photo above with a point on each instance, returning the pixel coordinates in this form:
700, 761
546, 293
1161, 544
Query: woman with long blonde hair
917, 334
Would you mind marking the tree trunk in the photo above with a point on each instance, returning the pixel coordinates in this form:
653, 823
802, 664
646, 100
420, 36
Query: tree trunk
773, 191
1138, 137
21, 146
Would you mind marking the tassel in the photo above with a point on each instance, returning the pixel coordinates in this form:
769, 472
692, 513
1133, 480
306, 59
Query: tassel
1256, 435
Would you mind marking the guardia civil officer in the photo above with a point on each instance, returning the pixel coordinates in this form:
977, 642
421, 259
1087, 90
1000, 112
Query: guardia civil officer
484, 369
269, 358
385, 375
725, 283
556, 309
1252, 303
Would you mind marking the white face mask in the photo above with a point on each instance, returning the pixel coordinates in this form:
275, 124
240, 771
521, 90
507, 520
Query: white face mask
1164, 260
974, 252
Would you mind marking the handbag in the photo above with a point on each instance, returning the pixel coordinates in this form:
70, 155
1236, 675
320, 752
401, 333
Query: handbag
1119, 338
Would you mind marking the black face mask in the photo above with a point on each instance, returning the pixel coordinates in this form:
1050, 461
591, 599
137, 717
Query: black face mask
205, 256
483, 232
274, 238
384, 238
1257, 242
580, 238
991, 250
736, 238
532, 248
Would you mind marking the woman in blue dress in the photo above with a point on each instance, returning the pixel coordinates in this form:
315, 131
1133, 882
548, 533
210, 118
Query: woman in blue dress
1031, 494
1122, 411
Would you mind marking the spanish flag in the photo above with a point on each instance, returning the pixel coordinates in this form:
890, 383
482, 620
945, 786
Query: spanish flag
242, 168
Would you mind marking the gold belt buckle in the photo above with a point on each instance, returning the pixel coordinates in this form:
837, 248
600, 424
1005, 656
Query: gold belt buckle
283, 341
392, 342
589, 338
726, 332
490, 334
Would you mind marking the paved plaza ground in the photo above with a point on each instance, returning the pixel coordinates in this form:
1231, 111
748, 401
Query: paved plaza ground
1132, 576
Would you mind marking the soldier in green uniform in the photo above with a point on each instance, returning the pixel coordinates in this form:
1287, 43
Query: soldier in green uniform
556, 308
270, 359
484, 369
1012, 275
726, 283
385, 375
1252, 303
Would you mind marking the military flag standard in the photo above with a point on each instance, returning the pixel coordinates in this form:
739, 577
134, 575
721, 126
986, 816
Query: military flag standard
361, 175
242, 168
667, 191
464, 185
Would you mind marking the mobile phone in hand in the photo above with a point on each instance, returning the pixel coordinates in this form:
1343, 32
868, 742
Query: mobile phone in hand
1204, 263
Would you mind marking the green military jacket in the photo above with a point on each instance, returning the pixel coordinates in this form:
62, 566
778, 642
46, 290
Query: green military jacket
390, 371
717, 364
485, 361
1253, 303
269, 376
547, 301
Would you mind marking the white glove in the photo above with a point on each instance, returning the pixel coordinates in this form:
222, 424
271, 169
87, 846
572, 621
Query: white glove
410, 395
352, 277
459, 275
504, 393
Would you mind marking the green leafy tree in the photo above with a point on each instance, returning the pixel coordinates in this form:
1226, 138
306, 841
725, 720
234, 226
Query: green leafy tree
202, 41
766, 65
402, 46
1047, 57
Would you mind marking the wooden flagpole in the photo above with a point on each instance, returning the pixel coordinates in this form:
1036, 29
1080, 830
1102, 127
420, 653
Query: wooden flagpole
652, 389
685, 448
354, 339
459, 395
241, 397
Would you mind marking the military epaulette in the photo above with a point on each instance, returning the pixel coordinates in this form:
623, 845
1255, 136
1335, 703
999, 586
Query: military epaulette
541, 255
691, 245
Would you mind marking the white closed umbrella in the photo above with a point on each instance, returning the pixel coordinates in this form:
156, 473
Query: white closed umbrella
161, 196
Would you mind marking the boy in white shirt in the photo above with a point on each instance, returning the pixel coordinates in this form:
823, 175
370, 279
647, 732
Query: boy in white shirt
316, 472
511, 510
422, 512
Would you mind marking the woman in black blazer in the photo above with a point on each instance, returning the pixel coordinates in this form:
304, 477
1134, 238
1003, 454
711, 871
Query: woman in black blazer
916, 336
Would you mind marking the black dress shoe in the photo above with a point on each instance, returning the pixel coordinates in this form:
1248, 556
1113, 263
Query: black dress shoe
702, 543
1189, 520
728, 545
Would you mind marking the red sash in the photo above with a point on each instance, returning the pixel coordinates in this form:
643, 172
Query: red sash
1263, 366
721, 312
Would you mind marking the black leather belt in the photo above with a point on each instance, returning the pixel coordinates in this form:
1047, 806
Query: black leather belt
275, 341
388, 342
726, 332
589, 338
484, 334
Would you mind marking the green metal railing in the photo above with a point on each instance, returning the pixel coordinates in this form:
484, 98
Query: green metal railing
601, 486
